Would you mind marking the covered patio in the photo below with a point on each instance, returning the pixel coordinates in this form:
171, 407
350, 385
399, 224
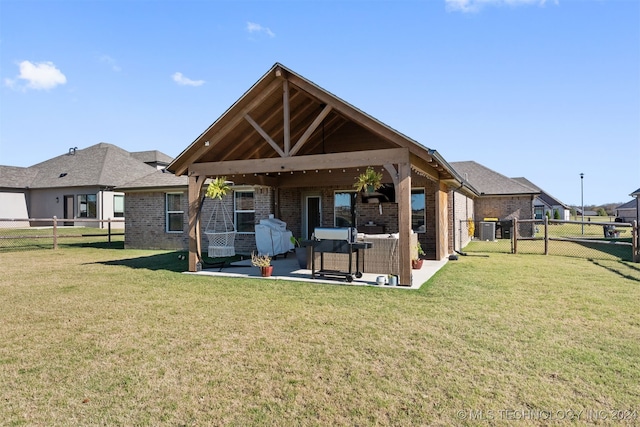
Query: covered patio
300, 143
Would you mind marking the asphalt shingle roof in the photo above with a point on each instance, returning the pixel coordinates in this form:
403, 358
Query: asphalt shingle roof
490, 182
156, 179
16, 177
152, 156
103, 165
544, 196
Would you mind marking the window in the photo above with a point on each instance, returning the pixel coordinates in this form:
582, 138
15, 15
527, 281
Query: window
538, 212
87, 206
118, 206
175, 214
418, 211
244, 211
343, 213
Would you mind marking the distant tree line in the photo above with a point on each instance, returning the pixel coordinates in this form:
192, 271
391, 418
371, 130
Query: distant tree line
608, 209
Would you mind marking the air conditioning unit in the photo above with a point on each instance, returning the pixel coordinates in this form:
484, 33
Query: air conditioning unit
487, 231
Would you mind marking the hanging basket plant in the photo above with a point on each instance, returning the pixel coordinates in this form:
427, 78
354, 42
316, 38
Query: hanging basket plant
218, 188
368, 181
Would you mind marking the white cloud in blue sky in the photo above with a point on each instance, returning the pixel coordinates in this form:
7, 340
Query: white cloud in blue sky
252, 27
106, 59
38, 76
476, 5
185, 81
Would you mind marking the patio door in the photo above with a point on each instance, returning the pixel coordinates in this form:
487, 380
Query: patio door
311, 215
68, 209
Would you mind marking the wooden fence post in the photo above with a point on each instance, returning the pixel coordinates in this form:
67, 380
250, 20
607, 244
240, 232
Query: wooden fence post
634, 242
514, 236
546, 235
109, 231
55, 232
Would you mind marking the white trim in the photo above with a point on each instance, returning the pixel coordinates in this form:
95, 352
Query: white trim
167, 212
243, 189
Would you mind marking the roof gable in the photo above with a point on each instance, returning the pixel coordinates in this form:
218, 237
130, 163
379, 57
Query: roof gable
545, 197
631, 204
286, 115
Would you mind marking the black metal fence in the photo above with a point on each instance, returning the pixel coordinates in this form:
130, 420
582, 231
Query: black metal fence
50, 233
596, 240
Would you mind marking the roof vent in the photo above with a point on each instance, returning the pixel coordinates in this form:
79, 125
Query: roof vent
63, 174
72, 151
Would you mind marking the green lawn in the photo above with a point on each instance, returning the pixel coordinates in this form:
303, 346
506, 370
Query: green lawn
120, 337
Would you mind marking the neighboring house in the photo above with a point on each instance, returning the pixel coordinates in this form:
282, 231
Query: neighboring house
13, 194
78, 184
500, 197
295, 149
628, 212
546, 204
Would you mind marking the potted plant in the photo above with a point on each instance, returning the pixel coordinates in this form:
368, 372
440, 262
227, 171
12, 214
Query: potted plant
416, 263
301, 253
263, 262
218, 188
368, 181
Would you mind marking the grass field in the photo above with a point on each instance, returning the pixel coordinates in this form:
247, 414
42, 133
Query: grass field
120, 337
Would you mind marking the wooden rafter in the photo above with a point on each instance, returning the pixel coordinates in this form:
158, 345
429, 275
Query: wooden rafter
312, 127
286, 119
265, 135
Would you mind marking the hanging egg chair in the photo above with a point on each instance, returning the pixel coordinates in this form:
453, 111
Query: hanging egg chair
220, 230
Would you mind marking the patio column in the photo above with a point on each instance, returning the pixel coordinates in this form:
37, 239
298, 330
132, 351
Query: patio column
442, 223
195, 188
404, 222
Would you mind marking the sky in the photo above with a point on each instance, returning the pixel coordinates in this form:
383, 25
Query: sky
542, 89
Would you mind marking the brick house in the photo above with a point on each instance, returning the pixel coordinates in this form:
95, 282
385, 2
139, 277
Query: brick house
293, 150
500, 197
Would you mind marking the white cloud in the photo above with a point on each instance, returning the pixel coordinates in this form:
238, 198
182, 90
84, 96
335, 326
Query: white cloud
476, 5
106, 59
39, 76
252, 27
184, 81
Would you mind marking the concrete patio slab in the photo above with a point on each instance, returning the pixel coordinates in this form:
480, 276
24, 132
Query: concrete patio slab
288, 269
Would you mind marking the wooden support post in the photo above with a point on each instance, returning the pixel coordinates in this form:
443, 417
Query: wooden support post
442, 222
195, 189
109, 232
404, 223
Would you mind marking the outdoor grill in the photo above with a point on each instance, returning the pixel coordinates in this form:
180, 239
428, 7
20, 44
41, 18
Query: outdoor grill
337, 241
